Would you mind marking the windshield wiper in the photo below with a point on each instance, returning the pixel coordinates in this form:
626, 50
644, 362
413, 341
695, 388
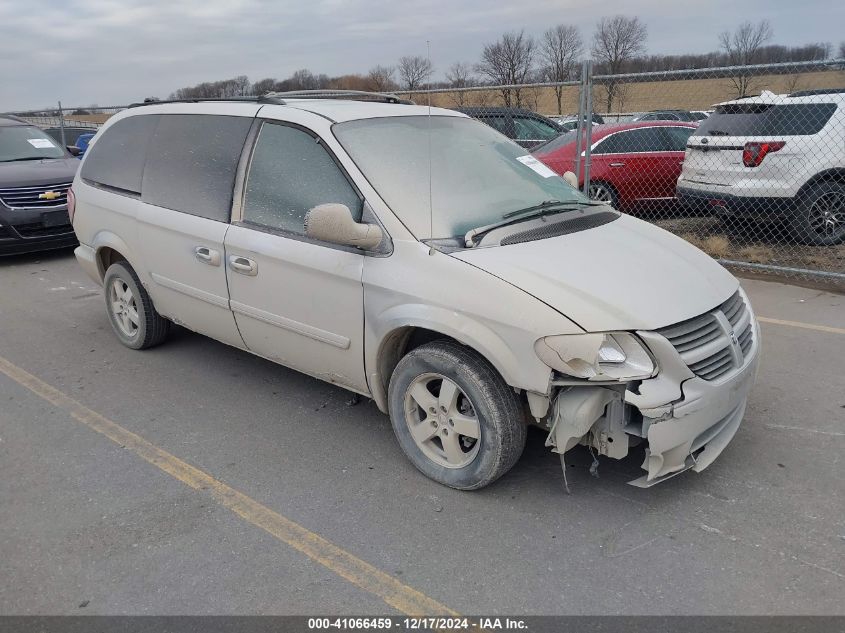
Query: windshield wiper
13, 160
534, 207
528, 213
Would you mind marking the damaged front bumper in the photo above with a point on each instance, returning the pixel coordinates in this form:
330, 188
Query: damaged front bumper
684, 420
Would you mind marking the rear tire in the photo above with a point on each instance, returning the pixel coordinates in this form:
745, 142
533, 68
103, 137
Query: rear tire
819, 218
454, 416
130, 310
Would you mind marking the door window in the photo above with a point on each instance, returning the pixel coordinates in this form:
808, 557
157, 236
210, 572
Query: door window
117, 158
290, 173
645, 139
677, 138
191, 163
528, 129
498, 123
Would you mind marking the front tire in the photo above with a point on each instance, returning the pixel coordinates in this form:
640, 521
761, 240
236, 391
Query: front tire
130, 310
454, 416
819, 218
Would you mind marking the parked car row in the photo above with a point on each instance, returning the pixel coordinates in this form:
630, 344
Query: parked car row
761, 159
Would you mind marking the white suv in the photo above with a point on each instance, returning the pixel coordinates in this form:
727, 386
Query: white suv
418, 257
772, 157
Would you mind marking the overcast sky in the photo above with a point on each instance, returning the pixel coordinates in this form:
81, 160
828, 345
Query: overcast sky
113, 52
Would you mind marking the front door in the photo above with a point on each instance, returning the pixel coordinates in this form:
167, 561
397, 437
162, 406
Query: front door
296, 301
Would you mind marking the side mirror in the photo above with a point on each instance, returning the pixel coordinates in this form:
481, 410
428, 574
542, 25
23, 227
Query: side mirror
571, 179
334, 223
74, 150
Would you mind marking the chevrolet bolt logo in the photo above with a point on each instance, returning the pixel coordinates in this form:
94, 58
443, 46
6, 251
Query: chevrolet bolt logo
49, 195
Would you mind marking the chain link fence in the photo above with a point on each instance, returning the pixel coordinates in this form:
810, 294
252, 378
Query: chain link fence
746, 163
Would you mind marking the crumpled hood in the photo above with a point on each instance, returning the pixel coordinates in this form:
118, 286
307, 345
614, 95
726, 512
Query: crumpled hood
31, 173
624, 275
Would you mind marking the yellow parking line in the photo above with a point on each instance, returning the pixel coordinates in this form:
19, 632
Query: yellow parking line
805, 326
360, 573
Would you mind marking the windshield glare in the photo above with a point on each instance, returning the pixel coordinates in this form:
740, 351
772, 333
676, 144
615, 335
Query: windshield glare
477, 174
24, 141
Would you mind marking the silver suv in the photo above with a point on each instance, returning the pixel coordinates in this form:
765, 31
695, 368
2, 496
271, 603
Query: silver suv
772, 157
420, 258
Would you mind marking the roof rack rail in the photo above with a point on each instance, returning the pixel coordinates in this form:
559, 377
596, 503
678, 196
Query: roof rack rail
818, 91
357, 95
269, 98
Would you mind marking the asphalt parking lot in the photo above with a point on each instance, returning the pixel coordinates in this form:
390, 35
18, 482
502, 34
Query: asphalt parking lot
197, 479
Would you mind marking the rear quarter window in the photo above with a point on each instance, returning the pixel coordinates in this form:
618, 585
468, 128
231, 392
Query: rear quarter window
116, 159
191, 163
762, 119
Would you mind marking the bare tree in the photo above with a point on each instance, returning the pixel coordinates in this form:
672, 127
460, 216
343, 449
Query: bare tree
842, 50
616, 42
742, 47
793, 82
459, 76
560, 49
508, 61
381, 78
263, 86
413, 71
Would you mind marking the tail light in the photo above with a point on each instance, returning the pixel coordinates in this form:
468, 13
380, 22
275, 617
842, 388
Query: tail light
754, 153
71, 204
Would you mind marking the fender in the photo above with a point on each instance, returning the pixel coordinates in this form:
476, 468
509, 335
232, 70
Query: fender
522, 370
107, 239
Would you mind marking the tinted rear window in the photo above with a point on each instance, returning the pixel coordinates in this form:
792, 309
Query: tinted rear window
117, 158
191, 163
762, 119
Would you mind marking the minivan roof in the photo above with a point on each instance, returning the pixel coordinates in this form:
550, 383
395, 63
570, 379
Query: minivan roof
336, 110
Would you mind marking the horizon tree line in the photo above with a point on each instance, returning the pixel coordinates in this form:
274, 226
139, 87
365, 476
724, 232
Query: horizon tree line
618, 45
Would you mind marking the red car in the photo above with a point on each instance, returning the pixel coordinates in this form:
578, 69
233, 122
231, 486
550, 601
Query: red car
632, 164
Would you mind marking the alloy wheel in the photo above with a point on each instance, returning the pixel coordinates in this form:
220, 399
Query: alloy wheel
124, 308
442, 420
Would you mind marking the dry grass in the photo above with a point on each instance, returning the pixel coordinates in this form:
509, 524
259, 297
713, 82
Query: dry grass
717, 246
756, 254
765, 247
688, 94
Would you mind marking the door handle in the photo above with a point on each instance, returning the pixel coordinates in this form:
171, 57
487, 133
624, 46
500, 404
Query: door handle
207, 255
617, 164
243, 265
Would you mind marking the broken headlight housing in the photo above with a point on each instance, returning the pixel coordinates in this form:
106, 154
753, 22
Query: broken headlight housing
609, 356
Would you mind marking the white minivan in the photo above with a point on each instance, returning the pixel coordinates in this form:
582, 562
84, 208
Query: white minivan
420, 258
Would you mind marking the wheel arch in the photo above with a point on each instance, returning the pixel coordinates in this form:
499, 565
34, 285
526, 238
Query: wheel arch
836, 174
402, 338
108, 249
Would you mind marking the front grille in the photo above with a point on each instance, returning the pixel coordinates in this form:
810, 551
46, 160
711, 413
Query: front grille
38, 197
715, 343
36, 229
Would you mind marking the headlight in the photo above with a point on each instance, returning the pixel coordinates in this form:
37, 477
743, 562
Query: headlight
609, 356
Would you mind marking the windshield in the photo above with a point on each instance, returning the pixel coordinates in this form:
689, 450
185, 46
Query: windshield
477, 175
25, 142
